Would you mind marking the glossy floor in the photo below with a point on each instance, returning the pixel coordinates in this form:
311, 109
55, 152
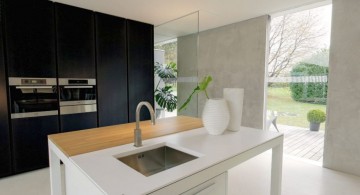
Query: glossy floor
249, 178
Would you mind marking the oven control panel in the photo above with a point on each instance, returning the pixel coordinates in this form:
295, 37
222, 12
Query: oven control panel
33, 81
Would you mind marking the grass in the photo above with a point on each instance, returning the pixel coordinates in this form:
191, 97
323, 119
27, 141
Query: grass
290, 112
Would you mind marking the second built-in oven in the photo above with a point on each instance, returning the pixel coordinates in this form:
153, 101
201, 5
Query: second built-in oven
78, 109
77, 95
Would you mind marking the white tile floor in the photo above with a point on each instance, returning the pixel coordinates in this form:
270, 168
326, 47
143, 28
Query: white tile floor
249, 178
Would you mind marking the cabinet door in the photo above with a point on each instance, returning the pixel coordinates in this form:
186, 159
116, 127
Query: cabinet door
30, 144
75, 42
74, 122
5, 157
140, 37
30, 38
111, 69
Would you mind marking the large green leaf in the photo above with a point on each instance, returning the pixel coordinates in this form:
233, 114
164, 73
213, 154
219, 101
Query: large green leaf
164, 71
202, 86
165, 99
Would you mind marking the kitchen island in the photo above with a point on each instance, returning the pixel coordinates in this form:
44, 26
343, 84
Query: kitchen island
92, 165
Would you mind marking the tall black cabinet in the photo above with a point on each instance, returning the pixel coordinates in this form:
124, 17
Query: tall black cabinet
75, 42
30, 38
111, 69
140, 40
5, 157
30, 52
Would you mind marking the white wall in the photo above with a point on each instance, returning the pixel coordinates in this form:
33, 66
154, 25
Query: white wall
342, 138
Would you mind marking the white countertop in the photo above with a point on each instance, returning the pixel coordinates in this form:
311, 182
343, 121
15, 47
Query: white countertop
116, 178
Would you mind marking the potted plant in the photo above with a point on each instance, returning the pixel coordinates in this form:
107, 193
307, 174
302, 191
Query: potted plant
315, 117
215, 115
164, 96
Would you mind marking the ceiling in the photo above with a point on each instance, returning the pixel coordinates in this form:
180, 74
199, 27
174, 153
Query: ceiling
212, 13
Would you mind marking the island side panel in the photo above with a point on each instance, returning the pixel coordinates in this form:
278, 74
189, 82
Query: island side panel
77, 182
74, 182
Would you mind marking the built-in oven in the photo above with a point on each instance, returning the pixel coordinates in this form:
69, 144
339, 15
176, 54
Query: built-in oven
33, 97
78, 109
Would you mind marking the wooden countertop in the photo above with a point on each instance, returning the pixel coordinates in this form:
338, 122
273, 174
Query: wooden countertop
84, 141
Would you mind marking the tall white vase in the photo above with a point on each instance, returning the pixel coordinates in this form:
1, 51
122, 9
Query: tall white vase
215, 116
234, 98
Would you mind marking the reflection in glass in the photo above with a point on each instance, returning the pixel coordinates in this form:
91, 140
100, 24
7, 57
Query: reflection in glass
176, 47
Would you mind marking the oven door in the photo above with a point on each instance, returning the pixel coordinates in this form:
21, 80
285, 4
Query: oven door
33, 101
77, 95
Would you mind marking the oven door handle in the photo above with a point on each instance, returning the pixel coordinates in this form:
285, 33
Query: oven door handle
78, 87
34, 114
34, 87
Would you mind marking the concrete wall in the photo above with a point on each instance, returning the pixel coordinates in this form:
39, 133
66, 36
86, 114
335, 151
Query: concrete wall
342, 139
235, 55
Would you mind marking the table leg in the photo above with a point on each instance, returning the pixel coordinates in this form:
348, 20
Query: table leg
55, 173
276, 169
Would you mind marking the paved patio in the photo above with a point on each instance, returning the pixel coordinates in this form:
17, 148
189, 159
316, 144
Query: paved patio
302, 143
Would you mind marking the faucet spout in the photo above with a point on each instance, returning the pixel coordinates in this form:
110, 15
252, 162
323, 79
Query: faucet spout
137, 130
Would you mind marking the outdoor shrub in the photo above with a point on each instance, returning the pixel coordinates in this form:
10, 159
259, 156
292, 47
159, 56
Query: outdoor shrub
311, 92
316, 116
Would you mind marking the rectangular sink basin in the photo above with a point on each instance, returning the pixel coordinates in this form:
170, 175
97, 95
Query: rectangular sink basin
156, 160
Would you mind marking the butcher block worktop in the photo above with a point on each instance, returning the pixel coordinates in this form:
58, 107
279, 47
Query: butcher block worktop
84, 141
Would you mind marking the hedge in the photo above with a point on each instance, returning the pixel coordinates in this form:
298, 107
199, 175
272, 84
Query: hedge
309, 92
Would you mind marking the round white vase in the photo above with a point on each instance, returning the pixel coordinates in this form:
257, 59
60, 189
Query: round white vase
216, 116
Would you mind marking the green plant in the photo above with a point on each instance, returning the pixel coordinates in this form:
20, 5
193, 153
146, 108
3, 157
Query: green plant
164, 96
316, 116
199, 88
311, 92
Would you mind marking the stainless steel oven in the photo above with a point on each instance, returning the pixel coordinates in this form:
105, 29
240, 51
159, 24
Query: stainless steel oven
33, 97
77, 95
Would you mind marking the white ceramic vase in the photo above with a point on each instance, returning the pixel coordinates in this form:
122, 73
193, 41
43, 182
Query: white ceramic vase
216, 116
234, 98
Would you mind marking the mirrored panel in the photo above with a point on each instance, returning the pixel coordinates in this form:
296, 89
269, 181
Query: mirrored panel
176, 60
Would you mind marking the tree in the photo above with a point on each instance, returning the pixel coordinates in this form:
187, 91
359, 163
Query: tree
170, 49
320, 58
292, 37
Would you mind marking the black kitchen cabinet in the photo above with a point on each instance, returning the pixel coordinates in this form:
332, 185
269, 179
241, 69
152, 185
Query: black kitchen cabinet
111, 69
140, 37
30, 38
30, 144
75, 42
5, 157
74, 122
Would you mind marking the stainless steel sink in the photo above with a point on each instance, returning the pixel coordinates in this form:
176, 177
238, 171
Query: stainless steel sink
156, 160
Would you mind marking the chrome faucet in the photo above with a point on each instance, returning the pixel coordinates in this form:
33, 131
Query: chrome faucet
137, 130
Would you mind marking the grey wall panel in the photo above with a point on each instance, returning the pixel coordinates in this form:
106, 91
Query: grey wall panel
235, 56
342, 138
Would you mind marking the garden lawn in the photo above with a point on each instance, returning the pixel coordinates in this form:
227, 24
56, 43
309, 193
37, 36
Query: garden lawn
290, 112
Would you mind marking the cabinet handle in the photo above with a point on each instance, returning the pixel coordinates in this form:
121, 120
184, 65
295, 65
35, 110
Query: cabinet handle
206, 190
